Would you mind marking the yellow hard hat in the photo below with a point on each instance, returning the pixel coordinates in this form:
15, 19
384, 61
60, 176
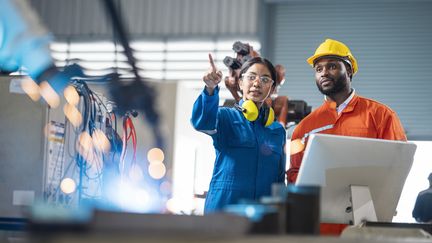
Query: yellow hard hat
334, 48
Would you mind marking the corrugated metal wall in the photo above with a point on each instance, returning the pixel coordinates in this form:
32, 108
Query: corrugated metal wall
390, 39
151, 18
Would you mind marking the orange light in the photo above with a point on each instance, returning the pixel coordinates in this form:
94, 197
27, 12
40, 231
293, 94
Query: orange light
71, 95
155, 155
31, 88
49, 94
67, 185
157, 170
85, 146
100, 141
85, 140
72, 114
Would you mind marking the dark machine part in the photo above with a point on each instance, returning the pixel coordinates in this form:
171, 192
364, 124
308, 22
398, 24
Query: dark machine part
303, 210
232, 63
297, 110
242, 50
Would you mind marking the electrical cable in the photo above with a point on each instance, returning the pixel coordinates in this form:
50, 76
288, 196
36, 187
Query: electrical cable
137, 95
129, 133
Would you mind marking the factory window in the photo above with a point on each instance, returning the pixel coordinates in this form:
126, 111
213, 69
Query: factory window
159, 60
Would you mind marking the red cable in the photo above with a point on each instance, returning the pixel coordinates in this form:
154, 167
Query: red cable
124, 147
129, 132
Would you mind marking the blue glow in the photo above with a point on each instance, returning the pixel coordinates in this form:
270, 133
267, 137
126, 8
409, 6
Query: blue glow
254, 212
135, 197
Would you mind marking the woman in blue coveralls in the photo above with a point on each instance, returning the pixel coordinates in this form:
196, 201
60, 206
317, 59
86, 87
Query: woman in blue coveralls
250, 153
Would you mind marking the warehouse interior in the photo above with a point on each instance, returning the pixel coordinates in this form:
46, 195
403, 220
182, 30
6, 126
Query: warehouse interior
117, 159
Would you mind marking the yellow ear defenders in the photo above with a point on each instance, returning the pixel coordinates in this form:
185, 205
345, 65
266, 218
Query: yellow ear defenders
251, 112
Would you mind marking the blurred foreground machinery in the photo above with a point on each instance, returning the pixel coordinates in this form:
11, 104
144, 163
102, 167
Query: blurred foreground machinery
25, 44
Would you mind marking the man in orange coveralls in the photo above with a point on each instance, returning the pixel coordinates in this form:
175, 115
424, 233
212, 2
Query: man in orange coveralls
343, 111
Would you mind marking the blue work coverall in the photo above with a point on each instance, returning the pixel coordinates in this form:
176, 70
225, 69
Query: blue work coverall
249, 156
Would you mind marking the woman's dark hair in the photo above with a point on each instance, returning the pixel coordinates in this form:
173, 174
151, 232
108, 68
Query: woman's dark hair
259, 60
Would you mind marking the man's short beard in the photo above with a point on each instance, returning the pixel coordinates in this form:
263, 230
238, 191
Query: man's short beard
339, 85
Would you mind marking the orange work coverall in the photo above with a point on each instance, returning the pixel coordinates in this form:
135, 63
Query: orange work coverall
362, 117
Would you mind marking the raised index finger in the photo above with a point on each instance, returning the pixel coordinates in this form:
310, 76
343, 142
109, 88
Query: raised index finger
212, 62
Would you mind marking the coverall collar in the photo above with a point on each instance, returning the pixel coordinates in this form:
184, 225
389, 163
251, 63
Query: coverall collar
346, 106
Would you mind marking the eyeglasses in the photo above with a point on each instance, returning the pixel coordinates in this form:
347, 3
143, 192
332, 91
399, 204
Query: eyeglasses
252, 77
